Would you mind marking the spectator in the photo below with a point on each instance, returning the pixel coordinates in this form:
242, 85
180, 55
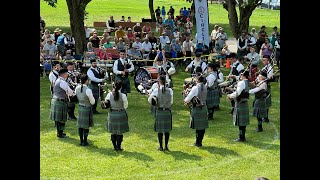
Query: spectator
158, 12
187, 49
133, 53
56, 34
266, 48
111, 25
223, 55
131, 36
188, 25
137, 30
163, 12
242, 47
152, 39
146, 29
50, 50
176, 33
42, 25
122, 19
185, 12
69, 42
168, 22
60, 43
177, 49
107, 44
254, 33
120, 34
89, 54
121, 45
163, 40
221, 39
214, 33
88, 32
47, 35
95, 40
137, 44
262, 34
129, 19
160, 25
171, 12
146, 47
151, 56
105, 36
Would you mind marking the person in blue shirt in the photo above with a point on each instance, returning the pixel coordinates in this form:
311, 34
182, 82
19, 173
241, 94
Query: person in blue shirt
163, 13
60, 43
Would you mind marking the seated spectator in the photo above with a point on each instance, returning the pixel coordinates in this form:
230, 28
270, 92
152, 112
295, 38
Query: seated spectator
176, 33
68, 56
167, 47
152, 39
131, 36
185, 34
121, 45
129, 19
122, 19
163, 40
133, 53
46, 38
146, 29
120, 34
201, 48
42, 25
151, 56
188, 25
88, 32
222, 55
107, 44
56, 34
69, 42
146, 47
168, 22
177, 51
251, 40
138, 44
137, 30
242, 47
90, 51
111, 25
50, 50
95, 40
159, 25
47, 35
266, 48
168, 32
105, 36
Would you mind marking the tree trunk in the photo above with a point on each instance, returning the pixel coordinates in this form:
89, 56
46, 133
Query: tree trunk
76, 11
245, 14
153, 17
233, 18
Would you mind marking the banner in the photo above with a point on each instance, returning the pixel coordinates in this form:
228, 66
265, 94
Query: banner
201, 13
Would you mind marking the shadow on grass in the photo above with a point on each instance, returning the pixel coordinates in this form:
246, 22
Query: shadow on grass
220, 151
178, 155
262, 145
108, 151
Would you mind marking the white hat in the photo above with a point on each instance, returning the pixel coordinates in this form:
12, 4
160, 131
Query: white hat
168, 42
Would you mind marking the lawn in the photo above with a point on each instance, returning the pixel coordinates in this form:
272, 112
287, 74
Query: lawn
101, 10
219, 158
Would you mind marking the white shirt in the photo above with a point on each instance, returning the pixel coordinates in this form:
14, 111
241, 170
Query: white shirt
210, 79
214, 34
193, 92
163, 40
269, 70
89, 31
186, 46
171, 70
276, 44
220, 79
91, 75
153, 87
155, 93
253, 40
139, 45
240, 86
239, 68
256, 57
52, 48
259, 87
146, 46
64, 85
88, 93
124, 99
52, 77
197, 63
176, 34
115, 66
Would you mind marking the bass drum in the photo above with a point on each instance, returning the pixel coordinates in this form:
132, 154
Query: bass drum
144, 76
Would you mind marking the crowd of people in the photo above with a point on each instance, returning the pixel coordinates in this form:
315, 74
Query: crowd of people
70, 88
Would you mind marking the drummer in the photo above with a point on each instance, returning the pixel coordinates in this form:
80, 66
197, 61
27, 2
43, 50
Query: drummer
165, 67
197, 65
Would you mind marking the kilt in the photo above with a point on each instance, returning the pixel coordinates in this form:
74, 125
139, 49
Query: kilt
95, 90
58, 111
85, 117
117, 122
199, 118
268, 100
213, 98
125, 84
241, 114
260, 108
163, 121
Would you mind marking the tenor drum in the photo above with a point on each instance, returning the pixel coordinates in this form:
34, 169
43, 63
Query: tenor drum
144, 76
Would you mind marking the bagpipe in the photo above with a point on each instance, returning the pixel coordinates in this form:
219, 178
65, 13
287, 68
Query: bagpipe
189, 83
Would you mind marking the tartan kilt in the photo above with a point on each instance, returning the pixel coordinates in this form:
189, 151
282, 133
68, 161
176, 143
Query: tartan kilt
213, 98
125, 84
153, 110
260, 108
85, 117
95, 90
58, 111
199, 118
163, 121
268, 100
117, 122
241, 114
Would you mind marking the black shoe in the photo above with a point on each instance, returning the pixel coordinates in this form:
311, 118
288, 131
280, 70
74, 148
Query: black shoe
166, 149
195, 144
259, 129
96, 112
86, 144
62, 136
119, 149
81, 144
239, 140
160, 148
265, 120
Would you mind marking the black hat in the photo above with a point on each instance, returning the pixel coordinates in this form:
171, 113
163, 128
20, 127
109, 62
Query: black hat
92, 60
246, 74
55, 63
198, 54
264, 74
233, 55
211, 65
63, 71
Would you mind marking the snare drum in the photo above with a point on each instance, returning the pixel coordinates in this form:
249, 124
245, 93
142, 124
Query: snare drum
144, 75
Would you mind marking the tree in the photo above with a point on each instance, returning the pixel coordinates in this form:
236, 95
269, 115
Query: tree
151, 9
246, 8
77, 12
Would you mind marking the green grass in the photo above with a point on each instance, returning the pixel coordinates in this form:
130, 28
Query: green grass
101, 10
219, 158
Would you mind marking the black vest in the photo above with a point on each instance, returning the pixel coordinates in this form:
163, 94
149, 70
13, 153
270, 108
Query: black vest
121, 66
112, 23
234, 70
97, 75
242, 43
198, 69
245, 92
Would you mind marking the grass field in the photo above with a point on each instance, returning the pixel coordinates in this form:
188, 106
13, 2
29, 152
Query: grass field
220, 158
101, 10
